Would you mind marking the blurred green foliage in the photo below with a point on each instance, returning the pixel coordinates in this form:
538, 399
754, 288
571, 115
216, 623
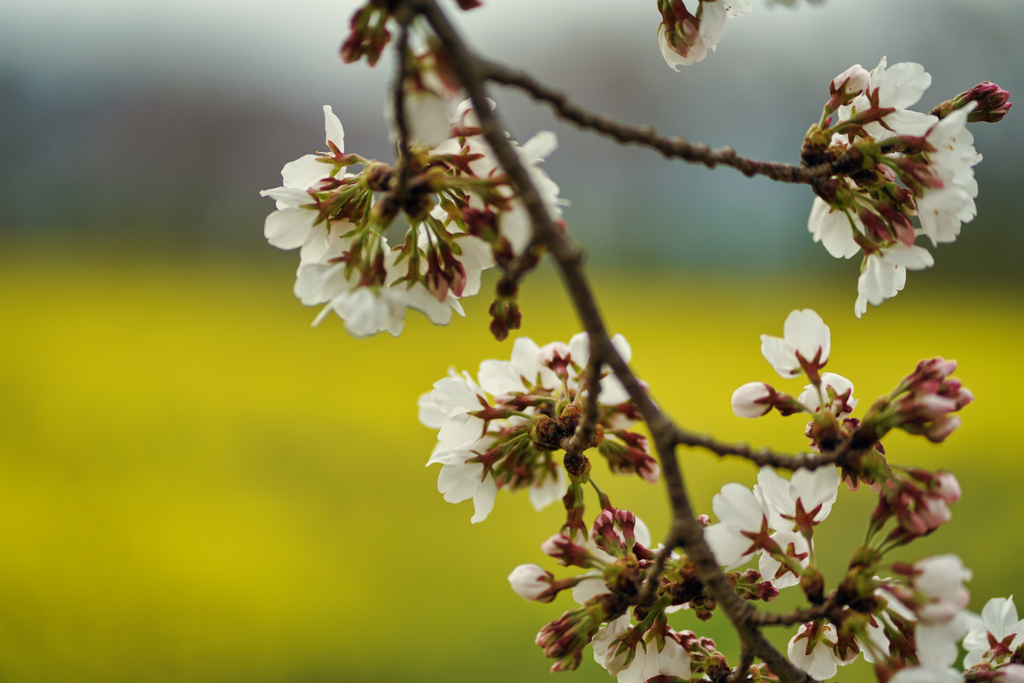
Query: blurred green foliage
194, 485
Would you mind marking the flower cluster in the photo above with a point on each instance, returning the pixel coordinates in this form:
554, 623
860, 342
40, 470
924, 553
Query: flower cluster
462, 212
502, 430
776, 520
922, 403
905, 164
633, 641
686, 37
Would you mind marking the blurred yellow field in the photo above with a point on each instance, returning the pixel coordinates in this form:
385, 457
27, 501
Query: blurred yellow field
195, 485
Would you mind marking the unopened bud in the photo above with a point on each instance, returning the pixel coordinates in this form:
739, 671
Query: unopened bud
530, 582
993, 103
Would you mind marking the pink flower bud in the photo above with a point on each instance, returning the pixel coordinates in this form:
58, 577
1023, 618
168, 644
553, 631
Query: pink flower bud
557, 357
993, 102
752, 400
948, 487
530, 582
1011, 673
938, 431
851, 81
566, 552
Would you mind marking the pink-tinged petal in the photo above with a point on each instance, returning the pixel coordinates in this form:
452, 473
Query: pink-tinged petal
750, 400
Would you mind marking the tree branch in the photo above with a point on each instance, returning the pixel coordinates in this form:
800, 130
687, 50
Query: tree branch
685, 526
402, 169
669, 147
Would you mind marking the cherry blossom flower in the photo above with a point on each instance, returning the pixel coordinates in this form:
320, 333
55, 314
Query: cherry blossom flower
843, 402
812, 649
514, 223
834, 228
803, 501
647, 661
806, 341
461, 480
685, 38
941, 578
899, 87
942, 209
305, 171
795, 545
741, 513
884, 274
998, 635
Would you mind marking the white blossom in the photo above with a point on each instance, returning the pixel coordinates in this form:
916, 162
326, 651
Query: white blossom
941, 580
308, 169
942, 210
811, 397
605, 646
899, 86
998, 619
832, 227
695, 53
815, 490
805, 335
816, 658
769, 566
461, 480
884, 275
738, 510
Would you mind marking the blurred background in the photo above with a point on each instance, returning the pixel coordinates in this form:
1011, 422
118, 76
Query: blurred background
196, 485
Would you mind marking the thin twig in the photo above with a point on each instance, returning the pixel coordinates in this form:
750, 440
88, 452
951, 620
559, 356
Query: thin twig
761, 457
830, 608
669, 147
690, 531
585, 430
403, 170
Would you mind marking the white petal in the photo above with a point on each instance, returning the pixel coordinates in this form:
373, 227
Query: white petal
483, 500
304, 171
